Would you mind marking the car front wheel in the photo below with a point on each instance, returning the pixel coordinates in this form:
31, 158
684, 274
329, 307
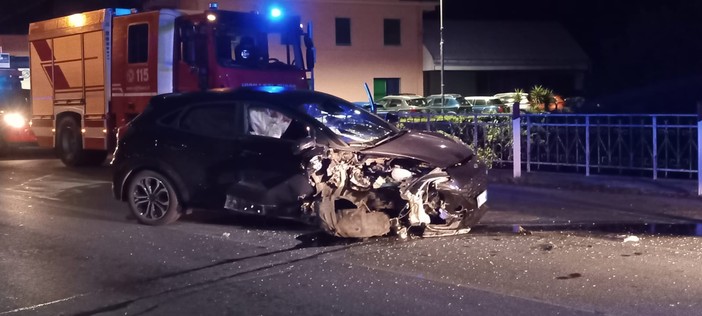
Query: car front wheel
152, 199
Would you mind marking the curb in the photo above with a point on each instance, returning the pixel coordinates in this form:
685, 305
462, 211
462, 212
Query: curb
573, 182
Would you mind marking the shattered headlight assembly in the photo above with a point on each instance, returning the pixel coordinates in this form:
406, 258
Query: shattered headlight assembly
14, 120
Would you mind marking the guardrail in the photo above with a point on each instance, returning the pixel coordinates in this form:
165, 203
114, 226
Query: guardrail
657, 145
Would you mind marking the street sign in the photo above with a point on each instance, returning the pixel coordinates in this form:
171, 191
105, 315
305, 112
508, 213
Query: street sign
4, 60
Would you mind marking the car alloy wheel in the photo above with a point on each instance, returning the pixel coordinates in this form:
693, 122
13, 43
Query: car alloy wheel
152, 199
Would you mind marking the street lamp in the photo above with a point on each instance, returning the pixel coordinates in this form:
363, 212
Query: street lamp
441, 46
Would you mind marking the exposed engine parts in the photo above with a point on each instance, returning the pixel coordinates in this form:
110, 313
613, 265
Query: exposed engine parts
360, 197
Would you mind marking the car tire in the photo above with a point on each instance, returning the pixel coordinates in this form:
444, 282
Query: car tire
152, 198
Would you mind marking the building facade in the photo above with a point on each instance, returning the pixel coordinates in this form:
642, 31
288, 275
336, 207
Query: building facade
376, 42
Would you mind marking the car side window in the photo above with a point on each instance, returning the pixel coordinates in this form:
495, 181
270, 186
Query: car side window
479, 102
394, 103
218, 121
268, 122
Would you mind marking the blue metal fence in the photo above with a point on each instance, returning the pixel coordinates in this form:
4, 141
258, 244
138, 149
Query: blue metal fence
657, 145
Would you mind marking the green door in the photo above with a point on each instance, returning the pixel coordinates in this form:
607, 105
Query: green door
379, 88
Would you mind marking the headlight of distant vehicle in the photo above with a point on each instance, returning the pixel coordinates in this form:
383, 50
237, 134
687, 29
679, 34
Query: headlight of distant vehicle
15, 120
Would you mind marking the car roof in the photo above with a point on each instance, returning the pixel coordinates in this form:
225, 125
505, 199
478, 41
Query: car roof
450, 95
481, 97
404, 96
176, 100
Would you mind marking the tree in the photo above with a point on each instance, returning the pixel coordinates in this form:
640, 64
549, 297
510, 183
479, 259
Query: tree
541, 98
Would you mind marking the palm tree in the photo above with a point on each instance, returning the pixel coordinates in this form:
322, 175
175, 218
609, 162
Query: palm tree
540, 98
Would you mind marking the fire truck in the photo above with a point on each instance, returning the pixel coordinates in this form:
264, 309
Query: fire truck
93, 72
14, 130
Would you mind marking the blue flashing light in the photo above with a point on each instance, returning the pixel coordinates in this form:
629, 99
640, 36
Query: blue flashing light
276, 13
271, 89
122, 11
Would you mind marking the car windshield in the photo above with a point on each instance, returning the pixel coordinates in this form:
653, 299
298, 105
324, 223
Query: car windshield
417, 102
351, 123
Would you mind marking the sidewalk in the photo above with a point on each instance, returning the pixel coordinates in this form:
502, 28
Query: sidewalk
598, 183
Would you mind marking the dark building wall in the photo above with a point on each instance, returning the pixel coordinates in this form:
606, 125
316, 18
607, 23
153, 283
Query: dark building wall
491, 82
461, 82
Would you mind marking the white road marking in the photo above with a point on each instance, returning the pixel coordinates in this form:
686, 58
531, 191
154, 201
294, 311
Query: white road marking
50, 186
21, 309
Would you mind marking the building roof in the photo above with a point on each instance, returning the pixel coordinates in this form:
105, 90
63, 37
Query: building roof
502, 45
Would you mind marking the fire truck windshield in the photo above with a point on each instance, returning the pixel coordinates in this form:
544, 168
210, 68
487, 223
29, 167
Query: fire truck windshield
242, 48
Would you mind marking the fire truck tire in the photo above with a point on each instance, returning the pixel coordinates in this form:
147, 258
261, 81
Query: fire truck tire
69, 143
153, 199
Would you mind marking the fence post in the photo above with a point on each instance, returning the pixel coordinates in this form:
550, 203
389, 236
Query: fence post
528, 143
475, 130
428, 121
654, 154
699, 152
516, 142
587, 145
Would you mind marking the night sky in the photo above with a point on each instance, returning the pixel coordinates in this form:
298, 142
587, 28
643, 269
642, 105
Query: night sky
643, 52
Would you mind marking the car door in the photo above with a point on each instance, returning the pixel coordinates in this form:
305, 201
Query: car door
271, 173
206, 147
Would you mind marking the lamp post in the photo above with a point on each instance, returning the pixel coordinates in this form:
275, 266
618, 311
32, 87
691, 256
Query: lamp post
441, 46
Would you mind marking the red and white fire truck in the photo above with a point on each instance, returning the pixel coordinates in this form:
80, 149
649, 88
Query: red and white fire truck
93, 72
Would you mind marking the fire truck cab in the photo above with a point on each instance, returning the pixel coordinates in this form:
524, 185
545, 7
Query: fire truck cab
94, 72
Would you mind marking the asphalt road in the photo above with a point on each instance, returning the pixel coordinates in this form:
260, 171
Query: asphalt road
68, 248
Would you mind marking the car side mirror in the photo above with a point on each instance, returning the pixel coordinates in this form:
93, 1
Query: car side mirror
303, 145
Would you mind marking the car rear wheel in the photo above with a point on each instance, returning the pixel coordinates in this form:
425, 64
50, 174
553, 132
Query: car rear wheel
152, 199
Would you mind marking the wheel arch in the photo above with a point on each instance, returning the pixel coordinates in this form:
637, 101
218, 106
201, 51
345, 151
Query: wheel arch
179, 186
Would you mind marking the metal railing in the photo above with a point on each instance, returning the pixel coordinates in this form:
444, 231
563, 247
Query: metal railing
656, 145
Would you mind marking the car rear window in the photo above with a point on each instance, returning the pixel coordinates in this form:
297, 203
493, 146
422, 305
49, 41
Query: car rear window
416, 102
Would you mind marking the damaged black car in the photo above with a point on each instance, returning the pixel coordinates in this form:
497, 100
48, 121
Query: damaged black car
302, 155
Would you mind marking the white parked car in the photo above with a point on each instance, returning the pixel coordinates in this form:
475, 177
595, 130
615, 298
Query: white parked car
508, 99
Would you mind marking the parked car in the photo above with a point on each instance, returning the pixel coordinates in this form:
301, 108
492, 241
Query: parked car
453, 103
303, 155
401, 103
486, 104
508, 99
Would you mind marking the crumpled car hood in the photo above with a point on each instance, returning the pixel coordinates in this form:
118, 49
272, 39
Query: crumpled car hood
431, 147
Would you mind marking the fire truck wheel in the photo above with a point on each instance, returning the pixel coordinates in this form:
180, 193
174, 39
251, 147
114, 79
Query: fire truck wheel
69, 142
152, 199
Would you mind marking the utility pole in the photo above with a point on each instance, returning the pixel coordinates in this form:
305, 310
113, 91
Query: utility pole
441, 46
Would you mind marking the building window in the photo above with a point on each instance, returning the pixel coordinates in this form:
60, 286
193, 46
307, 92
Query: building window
343, 31
138, 43
391, 32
